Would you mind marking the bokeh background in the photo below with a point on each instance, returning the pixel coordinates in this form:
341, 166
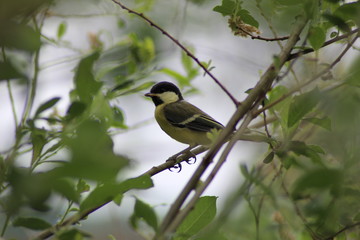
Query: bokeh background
238, 64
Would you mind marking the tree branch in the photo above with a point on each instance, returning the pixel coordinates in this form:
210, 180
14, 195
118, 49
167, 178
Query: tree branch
258, 37
343, 230
327, 43
253, 98
187, 51
321, 73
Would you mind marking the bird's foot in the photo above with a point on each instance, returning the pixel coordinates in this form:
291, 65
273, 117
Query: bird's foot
178, 158
176, 167
192, 158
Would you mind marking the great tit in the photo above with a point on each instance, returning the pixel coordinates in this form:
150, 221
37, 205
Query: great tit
179, 119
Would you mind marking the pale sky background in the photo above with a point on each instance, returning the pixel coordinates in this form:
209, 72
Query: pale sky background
238, 63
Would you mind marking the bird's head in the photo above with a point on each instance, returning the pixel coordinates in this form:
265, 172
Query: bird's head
164, 92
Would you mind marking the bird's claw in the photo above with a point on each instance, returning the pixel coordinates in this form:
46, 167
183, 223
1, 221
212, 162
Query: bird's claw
191, 160
177, 160
176, 166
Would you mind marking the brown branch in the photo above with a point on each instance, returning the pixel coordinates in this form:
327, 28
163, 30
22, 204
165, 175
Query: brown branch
258, 37
252, 99
343, 230
327, 43
180, 216
326, 70
173, 160
187, 51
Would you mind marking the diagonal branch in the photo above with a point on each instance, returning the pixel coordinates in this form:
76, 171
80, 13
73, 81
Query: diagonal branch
313, 78
252, 99
187, 51
327, 43
173, 160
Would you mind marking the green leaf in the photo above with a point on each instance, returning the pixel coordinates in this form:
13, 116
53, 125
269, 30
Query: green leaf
324, 122
318, 179
334, 34
118, 118
226, 8
61, 30
302, 105
317, 149
244, 170
139, 88
100, 109
356, 217
107, 192
247, 18
317, 37
187, 62
182, 80
118, 199
289, 2
38, 140
202, 214
75, 110
92, 154
48, 104
72, 233
275, 94
141, 182
349, 11
8, 71
100, 196
85, 84
82, 186
191, 70
31, 223
310, 151
253, 178
353, 78
143, 211
337, 21
67, 189
19, 36
269, 157
288, 161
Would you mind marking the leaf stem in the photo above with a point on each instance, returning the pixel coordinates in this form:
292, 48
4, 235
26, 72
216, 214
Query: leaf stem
6, 223
12, 101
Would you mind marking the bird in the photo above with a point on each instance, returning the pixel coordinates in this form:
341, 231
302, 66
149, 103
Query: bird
180, 119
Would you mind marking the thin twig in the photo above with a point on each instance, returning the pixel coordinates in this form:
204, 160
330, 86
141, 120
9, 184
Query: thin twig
327, 43
187, 51
258, 37
12, 101
337, 60
268, 20
32, 92
343, 230
298, 212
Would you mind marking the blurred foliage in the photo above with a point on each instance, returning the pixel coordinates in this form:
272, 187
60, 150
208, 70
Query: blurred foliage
305, 187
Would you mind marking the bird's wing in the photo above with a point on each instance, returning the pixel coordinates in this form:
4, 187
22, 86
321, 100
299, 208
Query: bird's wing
185, 115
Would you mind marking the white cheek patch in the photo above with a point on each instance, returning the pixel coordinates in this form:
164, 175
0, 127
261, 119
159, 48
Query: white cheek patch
168, 97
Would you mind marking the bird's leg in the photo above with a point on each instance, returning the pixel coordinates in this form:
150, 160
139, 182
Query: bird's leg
192, 158
178, 158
